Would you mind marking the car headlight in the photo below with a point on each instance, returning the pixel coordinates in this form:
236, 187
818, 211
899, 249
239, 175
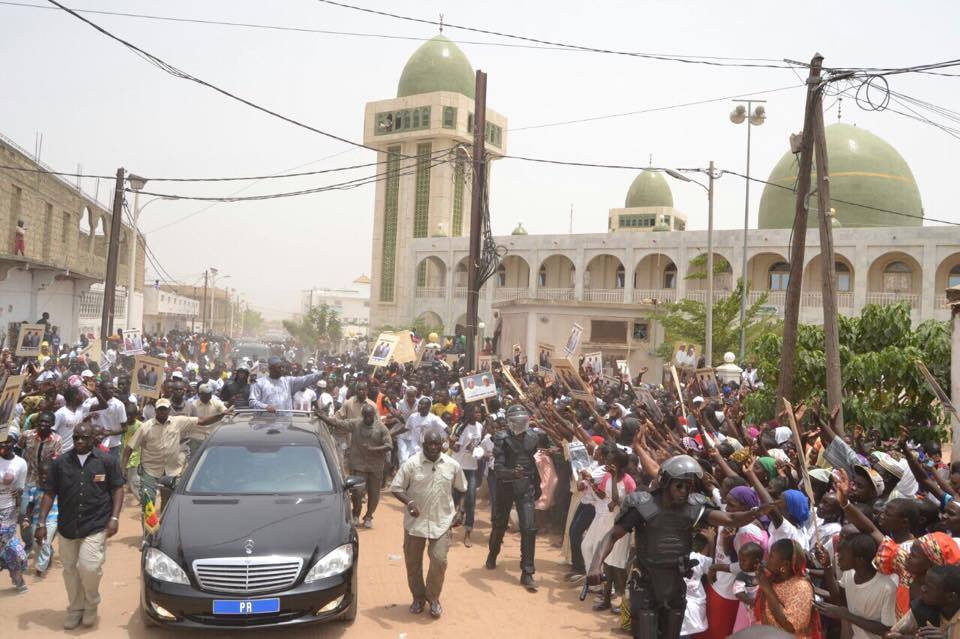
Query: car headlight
333, 563
162, 568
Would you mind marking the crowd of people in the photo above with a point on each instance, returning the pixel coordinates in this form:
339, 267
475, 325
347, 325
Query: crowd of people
676, 512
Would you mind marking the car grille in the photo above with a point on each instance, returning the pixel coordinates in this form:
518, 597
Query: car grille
247, 574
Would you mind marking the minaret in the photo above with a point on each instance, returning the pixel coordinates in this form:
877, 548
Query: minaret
423, 137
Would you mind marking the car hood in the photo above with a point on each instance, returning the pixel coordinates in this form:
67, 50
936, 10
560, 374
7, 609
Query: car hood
196, 527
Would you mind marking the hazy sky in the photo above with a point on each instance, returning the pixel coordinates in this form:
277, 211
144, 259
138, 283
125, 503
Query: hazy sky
99, 105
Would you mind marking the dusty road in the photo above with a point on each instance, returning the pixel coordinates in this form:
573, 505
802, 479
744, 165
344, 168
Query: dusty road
477, 602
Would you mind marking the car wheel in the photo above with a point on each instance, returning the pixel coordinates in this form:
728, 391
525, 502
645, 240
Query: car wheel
350, 614
147, 620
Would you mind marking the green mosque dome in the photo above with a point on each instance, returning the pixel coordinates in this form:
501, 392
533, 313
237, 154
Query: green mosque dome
519, 230
865, 171
649, 188
438, 65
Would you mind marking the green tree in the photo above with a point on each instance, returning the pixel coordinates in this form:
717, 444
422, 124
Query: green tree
252, 322
685, 322
882, 388
321, 327
698, 267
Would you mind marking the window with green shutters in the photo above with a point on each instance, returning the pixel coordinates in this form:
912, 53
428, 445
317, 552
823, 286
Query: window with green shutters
422, 273
459, 171
403, 120
421, 205
390, 210
449, 117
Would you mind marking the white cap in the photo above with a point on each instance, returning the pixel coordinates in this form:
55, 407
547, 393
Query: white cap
322, 383
176, 375
46, 376
205, 388
87, 374
697, 400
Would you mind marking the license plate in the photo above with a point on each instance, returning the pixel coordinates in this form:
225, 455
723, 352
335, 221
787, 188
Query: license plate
245, 607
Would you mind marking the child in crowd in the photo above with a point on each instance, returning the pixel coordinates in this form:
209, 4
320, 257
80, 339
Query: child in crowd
695, 615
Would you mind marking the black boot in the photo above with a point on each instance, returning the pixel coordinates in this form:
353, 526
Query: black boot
527, 581
491, 562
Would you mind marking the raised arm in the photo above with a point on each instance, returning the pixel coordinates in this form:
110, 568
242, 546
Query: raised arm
852, 513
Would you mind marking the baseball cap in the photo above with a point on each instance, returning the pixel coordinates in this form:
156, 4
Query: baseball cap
176, 375
322, 383
697, 400
163, 403
87, 374
205, 388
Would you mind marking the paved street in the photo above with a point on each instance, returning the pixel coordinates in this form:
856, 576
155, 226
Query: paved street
476, 601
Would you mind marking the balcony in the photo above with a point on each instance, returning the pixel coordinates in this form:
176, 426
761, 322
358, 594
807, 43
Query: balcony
814, 299
556, 294
511, 293
893, 298
659, 295
460, 292
430, 292
609, 295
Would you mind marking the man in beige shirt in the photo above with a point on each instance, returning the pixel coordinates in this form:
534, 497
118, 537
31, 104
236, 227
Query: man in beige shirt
425, 484
158, 441
205, 405
350, 409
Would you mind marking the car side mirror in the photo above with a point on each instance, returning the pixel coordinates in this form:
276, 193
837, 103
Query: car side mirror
353, 482
168, 482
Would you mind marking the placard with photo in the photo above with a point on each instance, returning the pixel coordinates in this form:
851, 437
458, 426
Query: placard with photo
544, 355
593, 363
148, 375
9, 397
477, 387
485, 363
382, 349
707, 380
573, 341
132, 342
29, 339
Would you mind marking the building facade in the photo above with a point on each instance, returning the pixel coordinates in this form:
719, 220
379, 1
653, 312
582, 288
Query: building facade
63, 264
351, 305
219, 308
165, 311
613, 284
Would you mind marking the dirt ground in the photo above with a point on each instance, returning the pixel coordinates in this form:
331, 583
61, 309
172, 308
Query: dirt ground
477, 602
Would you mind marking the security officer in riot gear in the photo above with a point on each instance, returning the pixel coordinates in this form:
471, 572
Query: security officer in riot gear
663, 523
518, 481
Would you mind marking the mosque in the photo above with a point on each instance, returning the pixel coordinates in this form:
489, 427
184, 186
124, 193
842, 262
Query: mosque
612, 283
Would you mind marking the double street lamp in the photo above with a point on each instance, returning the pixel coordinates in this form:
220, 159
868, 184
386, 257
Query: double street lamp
753, 116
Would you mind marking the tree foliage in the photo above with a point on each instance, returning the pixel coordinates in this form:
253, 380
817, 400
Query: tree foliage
685, 322
698, 267
320, 327
252, 321
882, 387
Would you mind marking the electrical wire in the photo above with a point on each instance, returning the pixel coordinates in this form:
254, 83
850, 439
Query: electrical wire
652, 109
766, 63
148, 252
177, 73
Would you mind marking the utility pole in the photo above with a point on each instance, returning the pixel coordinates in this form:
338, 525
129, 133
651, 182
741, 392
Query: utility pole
708, 323
203, 307
113, 254
831, 335
791, 309
476, 215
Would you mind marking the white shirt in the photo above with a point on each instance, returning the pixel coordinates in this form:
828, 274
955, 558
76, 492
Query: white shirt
874, 600
326, 403
82, 458
695, 615
588, 496
303, 400
417, 425
110, 419
13, 476
787, 530
470, 438
65, 422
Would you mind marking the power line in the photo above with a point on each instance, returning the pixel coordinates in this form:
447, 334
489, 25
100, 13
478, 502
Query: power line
767, 63
174, 71
652, 109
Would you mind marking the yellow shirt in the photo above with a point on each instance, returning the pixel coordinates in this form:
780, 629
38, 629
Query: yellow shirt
159, 444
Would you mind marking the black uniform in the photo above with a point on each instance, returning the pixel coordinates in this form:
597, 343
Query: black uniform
663, 540
236, 393
510, 451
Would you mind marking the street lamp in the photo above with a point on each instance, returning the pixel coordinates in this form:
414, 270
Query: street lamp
136, 183
708, 322
753, 116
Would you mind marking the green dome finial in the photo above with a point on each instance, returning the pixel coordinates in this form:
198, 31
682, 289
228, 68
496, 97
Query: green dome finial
519, 230
437, 65
864, 170
649, 188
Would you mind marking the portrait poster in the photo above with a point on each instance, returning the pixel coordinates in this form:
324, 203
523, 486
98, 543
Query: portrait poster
429, 353
383, 349
477, 387
593, 363
578, 456
566, 371
544, 355
405, 351
485, 363
132, 342
147, 378
573, 341
623, 367
9, 397
707, 380
29, 339
937, 389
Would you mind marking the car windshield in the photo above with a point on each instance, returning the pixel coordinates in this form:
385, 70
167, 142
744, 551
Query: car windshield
266, 470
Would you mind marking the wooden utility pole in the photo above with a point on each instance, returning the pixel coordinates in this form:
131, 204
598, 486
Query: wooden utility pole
113, 254
831, 335
791, 309
476, 215
203, 309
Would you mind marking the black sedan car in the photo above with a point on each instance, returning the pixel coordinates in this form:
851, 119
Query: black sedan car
257, 531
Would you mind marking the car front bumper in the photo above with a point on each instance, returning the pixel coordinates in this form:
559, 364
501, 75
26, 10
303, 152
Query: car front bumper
191, 607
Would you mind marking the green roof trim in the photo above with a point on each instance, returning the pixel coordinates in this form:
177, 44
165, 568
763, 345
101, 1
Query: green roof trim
864, 170
649, 188
437, 65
